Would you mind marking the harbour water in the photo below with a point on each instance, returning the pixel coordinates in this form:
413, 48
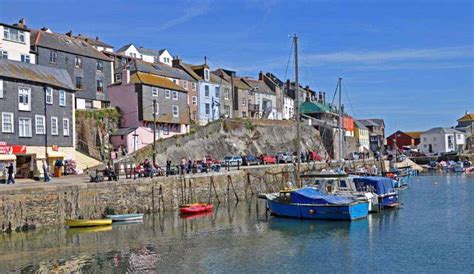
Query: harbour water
432, 232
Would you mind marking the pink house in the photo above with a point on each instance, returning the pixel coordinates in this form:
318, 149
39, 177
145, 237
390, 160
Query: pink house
135, 97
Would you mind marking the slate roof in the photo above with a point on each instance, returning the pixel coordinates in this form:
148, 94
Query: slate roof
158, 69
188, 69
36, 73
236, 80
259, 86
441, 130
154, 80
123, 131
359, 124
218, 80
93, 41
65, 43
372, 122
123, 48
152, 52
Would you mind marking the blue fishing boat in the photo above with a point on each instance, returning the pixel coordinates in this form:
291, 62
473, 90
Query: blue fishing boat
310, 203
125, 217
382, 187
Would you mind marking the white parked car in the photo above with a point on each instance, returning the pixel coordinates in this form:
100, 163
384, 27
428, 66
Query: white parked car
232, 160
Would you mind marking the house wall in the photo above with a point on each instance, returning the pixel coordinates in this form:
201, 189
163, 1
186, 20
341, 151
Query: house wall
214, 112
166, 58
226, 101
288, 108
9, 103
126, 99
16, 49
165, 106
362, 136
270, 113
88, 72
402, 140
241, 102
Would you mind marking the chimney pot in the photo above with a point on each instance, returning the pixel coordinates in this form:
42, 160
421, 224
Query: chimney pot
69, 33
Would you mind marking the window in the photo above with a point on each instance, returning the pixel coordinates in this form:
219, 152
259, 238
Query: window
154, 92
156, 59
244, 101
25, 58
100, 86
175, 81
100, 65
7, 122
226, 93
193, 86
218, 92
53, 55
459, 136
62, 98
206, 74
206, 90
208, 109
49, 96
78, 62
1, 88
175, 95
175, 111
65, 126
185, 84
54, 125
118, 77
78, 82
14, 35
195, 100
39, 124
4, 54
24, 102
167, 93
24, 127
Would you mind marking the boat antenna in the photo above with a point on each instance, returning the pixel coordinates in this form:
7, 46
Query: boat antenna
340, 130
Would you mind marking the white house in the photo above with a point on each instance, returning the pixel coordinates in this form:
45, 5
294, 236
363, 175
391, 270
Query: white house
288, 107
441, 140
148, 55
15, 42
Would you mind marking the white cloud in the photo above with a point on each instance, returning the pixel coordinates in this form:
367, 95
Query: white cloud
399, 55
190, 12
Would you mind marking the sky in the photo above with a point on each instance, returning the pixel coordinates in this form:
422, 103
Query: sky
409, 62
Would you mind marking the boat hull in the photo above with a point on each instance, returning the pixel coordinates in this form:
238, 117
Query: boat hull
389, 200
194, 209
125, 217
88, 223
353, 211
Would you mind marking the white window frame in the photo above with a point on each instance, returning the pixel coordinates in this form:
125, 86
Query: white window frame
207, 90
154, 91
11, 122
23, 127
185, 84
25, 58
193, 86
38, 130
206, 74
97, 81
1, 88
194, 100
167, 93
175, 95
22, 91
3, 54
53, 56
217, 91
54, 126
49, 96
78, 62
66, 127
62, 98
207, 108
175, 109
226, 93
118, 77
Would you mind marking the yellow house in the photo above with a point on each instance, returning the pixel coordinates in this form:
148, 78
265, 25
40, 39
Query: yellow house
361, 134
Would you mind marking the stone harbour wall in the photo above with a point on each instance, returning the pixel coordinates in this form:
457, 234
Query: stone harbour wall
30, 206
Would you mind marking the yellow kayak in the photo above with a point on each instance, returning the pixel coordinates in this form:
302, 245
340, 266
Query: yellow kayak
85, 223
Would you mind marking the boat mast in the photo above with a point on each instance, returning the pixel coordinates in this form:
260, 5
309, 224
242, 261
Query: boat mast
341, 115
297, 109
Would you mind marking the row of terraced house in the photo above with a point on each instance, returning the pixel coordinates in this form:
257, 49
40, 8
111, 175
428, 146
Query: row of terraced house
46, 76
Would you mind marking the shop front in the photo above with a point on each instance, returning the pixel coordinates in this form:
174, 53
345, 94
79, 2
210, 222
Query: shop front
6, 158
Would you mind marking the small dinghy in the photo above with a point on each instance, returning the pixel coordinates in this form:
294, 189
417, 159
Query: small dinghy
195, 208
125, 217
88, 223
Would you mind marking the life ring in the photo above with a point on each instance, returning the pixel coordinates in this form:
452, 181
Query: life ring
312, 211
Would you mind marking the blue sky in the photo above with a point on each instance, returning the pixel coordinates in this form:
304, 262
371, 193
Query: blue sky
409, 62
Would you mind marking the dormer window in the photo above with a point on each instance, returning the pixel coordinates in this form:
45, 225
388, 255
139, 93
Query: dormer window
14, 35
78, 62
206, 74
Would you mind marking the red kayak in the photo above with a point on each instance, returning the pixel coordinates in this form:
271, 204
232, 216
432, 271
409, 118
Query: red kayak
196, 208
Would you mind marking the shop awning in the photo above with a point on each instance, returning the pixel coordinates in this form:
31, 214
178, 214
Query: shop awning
7, 157
56, 154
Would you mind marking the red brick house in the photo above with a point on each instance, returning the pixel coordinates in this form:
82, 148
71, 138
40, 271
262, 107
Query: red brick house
402, 139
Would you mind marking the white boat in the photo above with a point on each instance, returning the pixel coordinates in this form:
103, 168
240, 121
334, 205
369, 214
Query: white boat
125, 217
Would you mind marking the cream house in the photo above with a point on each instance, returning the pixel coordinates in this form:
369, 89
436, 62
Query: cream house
15, 42
440, 140
148, 55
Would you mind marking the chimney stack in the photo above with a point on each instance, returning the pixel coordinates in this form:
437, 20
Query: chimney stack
176, 62
324, 97
69, 33
125, 75
260, 76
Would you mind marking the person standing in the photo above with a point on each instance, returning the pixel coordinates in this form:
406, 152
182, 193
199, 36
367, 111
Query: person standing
46, 171
10, 171
168, 167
